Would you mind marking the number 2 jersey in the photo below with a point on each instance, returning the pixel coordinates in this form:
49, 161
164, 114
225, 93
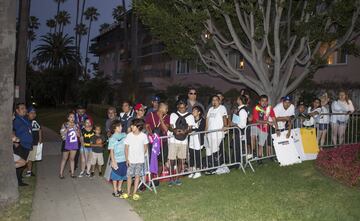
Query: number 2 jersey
70, 137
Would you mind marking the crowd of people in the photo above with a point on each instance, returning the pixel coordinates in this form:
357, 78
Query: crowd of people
190, 128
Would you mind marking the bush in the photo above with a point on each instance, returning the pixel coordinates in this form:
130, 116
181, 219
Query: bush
342, 164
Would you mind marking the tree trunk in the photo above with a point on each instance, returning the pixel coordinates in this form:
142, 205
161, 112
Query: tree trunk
8, 181
87, 49
126, 45
21, 56
81, 20
77, 22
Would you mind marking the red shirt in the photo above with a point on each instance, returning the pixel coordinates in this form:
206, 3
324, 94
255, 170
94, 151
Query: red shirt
155, 122
263, 114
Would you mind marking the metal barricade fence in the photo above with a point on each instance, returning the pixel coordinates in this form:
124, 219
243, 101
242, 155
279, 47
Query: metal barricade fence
221, 149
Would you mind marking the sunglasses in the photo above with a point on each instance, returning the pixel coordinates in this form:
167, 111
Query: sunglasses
192, 93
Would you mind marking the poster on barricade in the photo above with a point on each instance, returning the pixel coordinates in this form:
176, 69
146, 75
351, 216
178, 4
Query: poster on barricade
296, 135
309, 142
285, 149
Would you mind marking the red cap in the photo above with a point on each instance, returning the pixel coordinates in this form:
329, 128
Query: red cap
138, 106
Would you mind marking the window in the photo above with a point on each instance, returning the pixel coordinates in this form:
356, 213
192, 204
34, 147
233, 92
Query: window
237, 61
338, 57
182, 67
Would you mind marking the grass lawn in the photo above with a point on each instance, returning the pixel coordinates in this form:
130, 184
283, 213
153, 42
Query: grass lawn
297, 192
21, 210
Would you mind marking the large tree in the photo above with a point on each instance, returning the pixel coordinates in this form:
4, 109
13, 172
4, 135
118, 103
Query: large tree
282, 42
91, 14
8, 182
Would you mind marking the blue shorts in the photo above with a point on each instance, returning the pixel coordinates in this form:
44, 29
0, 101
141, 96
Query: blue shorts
120, 173
323, 126
86, 149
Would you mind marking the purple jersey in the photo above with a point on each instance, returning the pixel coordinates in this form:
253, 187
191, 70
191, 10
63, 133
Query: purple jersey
71, 141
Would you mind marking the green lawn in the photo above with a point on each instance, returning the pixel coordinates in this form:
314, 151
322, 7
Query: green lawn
297, 192
21, 210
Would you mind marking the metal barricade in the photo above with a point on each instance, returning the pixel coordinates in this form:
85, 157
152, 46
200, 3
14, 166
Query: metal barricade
222, 149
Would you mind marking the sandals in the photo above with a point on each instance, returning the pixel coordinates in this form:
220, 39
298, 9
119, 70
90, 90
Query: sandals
73, 176
136, 197
61, 177
124, 196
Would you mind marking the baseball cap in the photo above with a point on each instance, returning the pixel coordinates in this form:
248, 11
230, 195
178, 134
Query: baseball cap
31, 109
286, 98
138, 106
155, 98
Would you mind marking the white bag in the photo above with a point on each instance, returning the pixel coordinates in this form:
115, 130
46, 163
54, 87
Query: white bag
285, 149
39, 149
108, 170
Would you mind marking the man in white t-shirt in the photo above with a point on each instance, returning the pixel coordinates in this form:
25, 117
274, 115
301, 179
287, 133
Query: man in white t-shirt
284, 112
181, 123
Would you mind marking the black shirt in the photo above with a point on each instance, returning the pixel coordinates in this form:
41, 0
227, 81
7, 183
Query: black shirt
96, 149
87, 137
35, 130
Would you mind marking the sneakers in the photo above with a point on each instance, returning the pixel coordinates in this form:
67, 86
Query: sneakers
196, 175
171, 183
177, 182
124, 196
249, 156
210, 172
116, 194
82, 174
191, 175
29, 174
88, 174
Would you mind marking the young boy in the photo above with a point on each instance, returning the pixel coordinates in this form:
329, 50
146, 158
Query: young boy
97, 143
37, 139
117, 156
136, 144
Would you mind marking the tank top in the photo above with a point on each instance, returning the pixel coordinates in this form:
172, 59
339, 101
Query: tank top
71, 141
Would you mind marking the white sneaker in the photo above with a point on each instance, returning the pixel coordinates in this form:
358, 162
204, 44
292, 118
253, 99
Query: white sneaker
82, 174
249, 156
191, 175
196, 175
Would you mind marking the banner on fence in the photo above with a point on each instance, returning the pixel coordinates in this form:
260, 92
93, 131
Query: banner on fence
285, 149
305, 145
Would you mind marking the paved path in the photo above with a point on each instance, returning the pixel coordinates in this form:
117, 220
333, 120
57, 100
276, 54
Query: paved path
73, 199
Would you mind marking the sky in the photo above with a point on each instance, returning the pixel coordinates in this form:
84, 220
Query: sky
46, 9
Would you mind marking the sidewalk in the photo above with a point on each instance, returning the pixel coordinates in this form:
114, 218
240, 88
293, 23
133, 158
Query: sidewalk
73, 199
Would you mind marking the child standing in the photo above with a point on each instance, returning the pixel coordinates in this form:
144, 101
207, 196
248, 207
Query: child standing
37, 139
136, 144
117, 156
86, 151
97, 146
70, 134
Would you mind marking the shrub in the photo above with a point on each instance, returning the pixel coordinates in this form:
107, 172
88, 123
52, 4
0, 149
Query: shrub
342, 163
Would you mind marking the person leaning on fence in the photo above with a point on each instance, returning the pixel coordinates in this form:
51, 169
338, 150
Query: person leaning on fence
216, 119
300, 115
285, 112
341, 109
324, 119
136, 146
313, 112
196, 142
239, 119
263, 114
181, 123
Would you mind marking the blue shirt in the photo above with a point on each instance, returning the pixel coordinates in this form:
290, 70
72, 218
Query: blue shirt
116, 143
22, 128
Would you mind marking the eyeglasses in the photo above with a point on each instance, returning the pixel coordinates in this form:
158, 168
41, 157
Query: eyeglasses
192, 93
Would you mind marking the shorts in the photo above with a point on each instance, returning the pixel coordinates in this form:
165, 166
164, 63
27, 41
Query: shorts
16, 157
120, 173
135, 169
32, 154
323, 127
97, 158
262, 136
21, 152
86, 149
177, 151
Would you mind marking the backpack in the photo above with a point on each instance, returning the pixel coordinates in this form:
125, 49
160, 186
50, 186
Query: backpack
181, 124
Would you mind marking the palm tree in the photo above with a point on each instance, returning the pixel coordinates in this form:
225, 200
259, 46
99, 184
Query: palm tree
118, 13
81, 22
56, 51
91, 14
62, 19
77, 21
34, 24
103, 27
51, 23
59, 2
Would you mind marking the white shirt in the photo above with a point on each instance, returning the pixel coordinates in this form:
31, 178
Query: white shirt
215, 117
341, 107
280, 111
324, 119
136, 144
173, 118
243, 114
314, 119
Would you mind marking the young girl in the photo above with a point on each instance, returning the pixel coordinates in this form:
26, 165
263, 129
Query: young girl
117, 156
70, 134
324, 119
239, 119
196, 142
341, 110
314, 112
86, 150
136, 144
